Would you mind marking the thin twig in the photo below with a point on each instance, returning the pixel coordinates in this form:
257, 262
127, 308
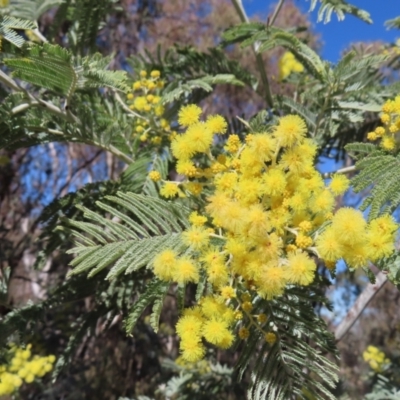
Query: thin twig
359, 306
259, 61
126, 108
276, 12
345, 170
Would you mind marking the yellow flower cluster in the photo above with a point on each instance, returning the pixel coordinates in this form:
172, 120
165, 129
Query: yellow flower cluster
288, 64
23, 367
391, 125
145, 102
259, 230
375, 358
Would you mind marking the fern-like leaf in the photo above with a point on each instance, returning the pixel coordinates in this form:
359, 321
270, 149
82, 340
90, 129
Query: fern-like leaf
282, 370
9, 26
340, 8
140, 227
155, 291
379, 170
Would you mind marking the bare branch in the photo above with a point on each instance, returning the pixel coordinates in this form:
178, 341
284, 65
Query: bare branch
276, 12
260, 63
344, 170
359, 306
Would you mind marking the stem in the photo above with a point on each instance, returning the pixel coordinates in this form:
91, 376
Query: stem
259, 61
359, 306
322, 112
38, 34
345, 170
276, 12
126, 108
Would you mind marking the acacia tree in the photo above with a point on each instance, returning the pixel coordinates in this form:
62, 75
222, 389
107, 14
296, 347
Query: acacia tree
226, 220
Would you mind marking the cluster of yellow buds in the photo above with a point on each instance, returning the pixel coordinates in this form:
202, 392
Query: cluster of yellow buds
23, 367
145, 102
268, 216
288, 64
390, 118
375, 358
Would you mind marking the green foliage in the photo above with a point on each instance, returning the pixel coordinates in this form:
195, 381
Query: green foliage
155, 293
140, 226
380, 169
9, 26
340, 8
393, 23
86, 17
199, 381
31, 9
53, 67
283, 369
267, 37
383, 390
177, 90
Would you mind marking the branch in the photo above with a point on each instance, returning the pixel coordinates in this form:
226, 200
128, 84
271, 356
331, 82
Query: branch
276, 12
345, 170
126, 108
359, 306
260, 63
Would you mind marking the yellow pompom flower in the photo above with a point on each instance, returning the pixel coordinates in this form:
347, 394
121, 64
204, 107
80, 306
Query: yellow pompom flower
216, 332
185, 271
140, 103
303, 241
375, 358
275, 182
185, 167
385, 225
228, 292
290, 130
339, 184
385, 118
301, 269
196, 219
155, 176
243, 333
196, 237
273, 281
212, 308
164, 264
217, 124
200, 136
270, 338
233, 143
189, 325
169, 189
328, 246
218, 274
388, 143
192, 349
356, 255
262, 318
189, 115
349, 225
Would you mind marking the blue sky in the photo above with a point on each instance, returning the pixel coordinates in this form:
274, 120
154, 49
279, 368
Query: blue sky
337, 36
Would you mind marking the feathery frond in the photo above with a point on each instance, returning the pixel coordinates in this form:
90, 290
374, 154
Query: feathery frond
281, 370
340, 8
140, 227
380, 170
